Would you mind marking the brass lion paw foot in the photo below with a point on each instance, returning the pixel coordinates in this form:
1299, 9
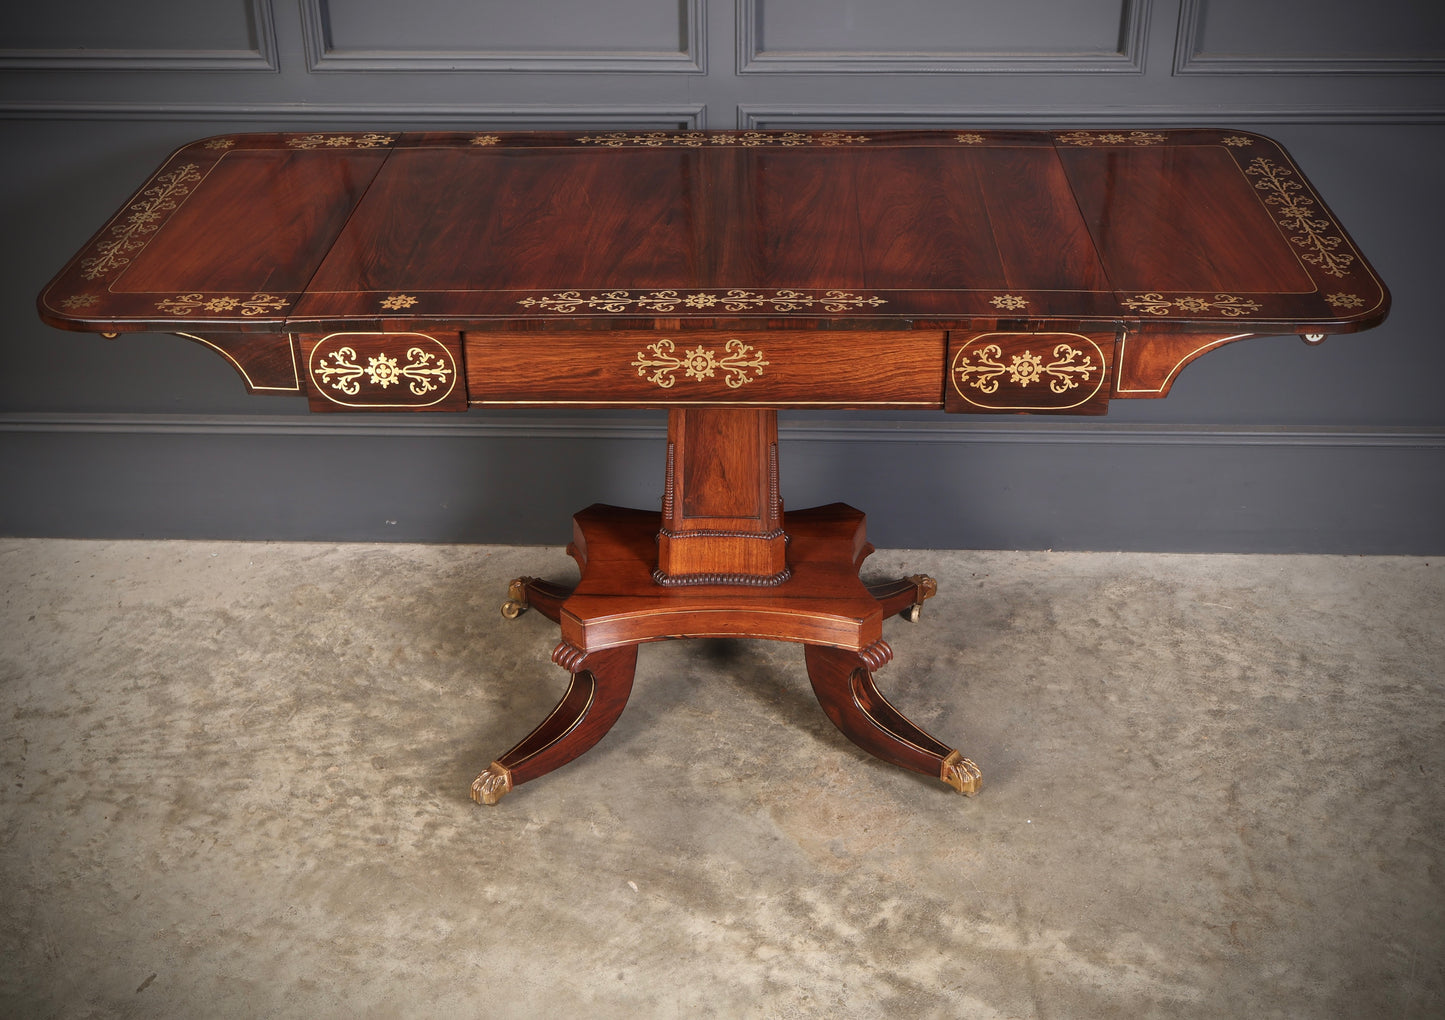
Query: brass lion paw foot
492, 785
961, 774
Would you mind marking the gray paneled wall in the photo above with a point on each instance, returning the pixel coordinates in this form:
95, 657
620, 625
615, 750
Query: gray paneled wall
1267, 445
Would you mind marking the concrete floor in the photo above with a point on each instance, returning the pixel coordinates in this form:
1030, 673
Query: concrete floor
235, 784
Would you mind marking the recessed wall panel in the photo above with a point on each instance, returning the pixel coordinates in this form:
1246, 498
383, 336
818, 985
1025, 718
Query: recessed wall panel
1384, 36
158, 35
499, 35
941, 35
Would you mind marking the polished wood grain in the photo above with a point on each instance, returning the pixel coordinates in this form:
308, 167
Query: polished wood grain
1148, 231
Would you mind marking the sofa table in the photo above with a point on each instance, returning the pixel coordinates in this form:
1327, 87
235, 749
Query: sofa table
721, 275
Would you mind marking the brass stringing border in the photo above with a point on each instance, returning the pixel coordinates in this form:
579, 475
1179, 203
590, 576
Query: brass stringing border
1293, 211
143, 217
699, 363
568, 301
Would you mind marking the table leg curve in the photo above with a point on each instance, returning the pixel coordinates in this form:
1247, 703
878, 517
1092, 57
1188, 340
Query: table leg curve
600, 685
843, 683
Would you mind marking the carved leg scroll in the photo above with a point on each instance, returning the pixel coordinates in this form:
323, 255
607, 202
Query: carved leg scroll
533, 593
601, 683
904, 596
843, 682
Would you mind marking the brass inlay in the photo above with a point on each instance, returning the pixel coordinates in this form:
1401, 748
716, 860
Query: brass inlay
367, 140
75, 301
1236, 141
1063, 373
143, 217
424, 370
737, 300
1293, 211
1345, 300
220, 143
256, 304
970, 138
697, 139
486, 139
1111, 138
1225, 304
396, 302
1010, 302
700, 363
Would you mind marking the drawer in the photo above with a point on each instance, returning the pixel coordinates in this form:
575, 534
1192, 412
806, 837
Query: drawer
802, 368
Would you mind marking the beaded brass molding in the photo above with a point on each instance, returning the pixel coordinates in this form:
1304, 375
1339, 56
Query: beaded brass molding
700, 363
1154, 303
742, 139
1294, 211
142, 218
737, 300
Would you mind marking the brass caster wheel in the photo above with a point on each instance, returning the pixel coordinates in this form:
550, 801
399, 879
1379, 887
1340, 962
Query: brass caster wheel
512, 609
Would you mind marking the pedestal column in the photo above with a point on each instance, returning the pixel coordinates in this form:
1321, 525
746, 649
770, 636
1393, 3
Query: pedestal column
722, 515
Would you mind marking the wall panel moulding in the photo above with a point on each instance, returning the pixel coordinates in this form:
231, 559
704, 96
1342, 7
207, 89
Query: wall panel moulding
551, 36
927, 36
239, 35
1388, 37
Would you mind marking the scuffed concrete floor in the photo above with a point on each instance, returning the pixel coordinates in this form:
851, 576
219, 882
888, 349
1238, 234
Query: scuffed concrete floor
235, 784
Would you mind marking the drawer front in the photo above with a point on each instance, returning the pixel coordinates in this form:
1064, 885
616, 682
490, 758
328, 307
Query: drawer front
722, 368
1029, 373
375, 371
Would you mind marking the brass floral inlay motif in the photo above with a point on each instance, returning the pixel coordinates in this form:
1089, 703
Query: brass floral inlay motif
220, 143
396, 302
256, 304
663, 362
744, 139
1063, 373
368, 140
1224, 304
1111, 138
75, 301
486, 139
1010, 302
1295, 212
1236, 141
142, 218
737, 300
970, 138
1345, 300
425, 371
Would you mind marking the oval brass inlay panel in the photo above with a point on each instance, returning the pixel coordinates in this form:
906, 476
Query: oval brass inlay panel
376, 370
1028, 371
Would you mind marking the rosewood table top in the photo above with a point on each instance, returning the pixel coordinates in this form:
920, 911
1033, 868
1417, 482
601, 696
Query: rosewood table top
721, 275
